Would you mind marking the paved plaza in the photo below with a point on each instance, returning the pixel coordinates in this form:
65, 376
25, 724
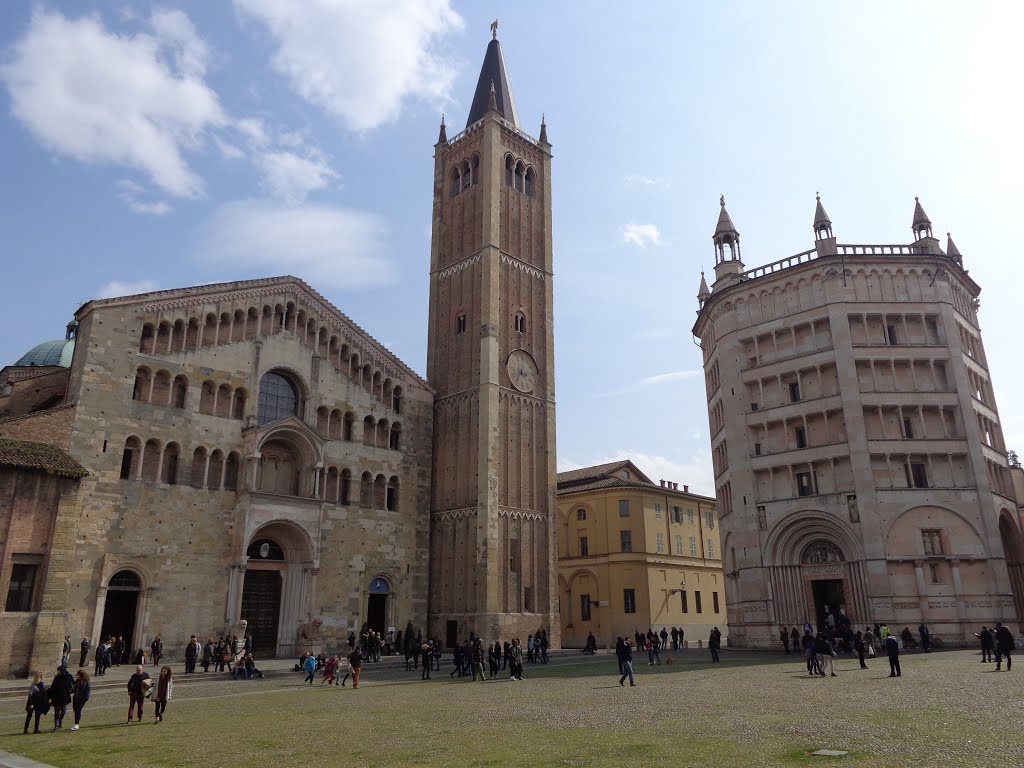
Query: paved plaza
754, 709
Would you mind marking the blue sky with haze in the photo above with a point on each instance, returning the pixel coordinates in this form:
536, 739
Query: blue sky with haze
160, 145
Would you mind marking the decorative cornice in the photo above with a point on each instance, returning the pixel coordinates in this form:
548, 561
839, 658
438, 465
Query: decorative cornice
515, 263
522, 514
453, 514
467, 262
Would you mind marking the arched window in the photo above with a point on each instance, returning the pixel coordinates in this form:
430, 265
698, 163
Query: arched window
238, 404
520, 172
366, 490
382, 433
215, 471
169, 466
345, 489
179, 391
346, 432
380, 484
520, 322
369, 430
278, 398
460, 322
192, 334
475, 174
130, 458
142, 380
178, 336
331, 486
210, 330
147, 339
467, 176
396, 435
510, 168
231, 472
528, 188
396, 400
581, 514
334, 425
163, 338
207, 396
151, 461
456, 186
391, 502
161, 388
124, 580
199, 467
322, 416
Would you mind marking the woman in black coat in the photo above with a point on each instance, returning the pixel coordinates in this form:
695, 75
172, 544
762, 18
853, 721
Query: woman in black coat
60, 696
37, 703
80, 694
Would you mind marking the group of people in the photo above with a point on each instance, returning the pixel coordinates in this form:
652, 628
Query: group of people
1000, 640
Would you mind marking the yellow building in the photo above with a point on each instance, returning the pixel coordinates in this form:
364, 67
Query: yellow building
636, 555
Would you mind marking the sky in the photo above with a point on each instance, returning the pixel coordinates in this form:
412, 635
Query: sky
150, 146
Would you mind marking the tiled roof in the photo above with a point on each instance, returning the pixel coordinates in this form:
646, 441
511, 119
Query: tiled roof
589, 473
605, 482
47, 458
606, 476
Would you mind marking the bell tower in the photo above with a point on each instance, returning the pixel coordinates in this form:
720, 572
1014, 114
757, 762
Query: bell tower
490, 360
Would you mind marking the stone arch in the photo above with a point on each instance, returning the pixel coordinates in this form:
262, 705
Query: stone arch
232, 469
131, 458
266, 398
147, 338
224, 400
169, 464
392, 494
215, 470
199, 457
161, 388
143, 380
179, 391
1013, 548
210, 330
151, 460
121, 607
789, 538
958, 531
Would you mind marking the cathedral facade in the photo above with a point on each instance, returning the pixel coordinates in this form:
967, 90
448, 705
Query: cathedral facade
860, 467
247, 459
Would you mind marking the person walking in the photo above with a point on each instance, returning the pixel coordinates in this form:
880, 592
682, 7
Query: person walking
494, 658
60, 693
625, 654
80, 694
100, 650
826, 655
38, 704
987, 644
65, 655
138, 686
784, 637
192, 651
858, 645
356, 663
675, 639
892, 649
1004, 646
164, 685
309, 665
156, 650
515, 663
869, 641
714, 644
426, 651
478, 660
207, 655
664, 639
926, 638
807, 645
85, 652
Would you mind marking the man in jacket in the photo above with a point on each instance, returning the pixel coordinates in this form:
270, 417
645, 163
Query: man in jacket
60, 695
625, 653
892, 648
714, 643
156, 650
65, 656
1004, 646
85, 651
137, 689
191, 654
987, 644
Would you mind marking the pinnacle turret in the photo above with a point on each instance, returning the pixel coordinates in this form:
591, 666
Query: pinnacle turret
922, 225
726, 236
952, 251
442, 135
703, 294
493, 89
822, 223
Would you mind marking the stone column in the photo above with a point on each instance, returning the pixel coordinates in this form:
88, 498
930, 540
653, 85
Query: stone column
922, 597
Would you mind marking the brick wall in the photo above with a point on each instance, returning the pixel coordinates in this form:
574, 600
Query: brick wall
16, 633
52, 427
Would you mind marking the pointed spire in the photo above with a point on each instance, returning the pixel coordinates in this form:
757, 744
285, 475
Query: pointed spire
725, 225
822, 223
703, 293
543, 130
493, 79
442, 136
951, 250
922, 225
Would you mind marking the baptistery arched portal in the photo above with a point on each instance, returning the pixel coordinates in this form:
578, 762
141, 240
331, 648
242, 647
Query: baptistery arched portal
121, 608
824, 569
378, 605
278, 585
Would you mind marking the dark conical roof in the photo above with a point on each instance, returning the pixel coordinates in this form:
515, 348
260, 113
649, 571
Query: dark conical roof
920, 217
493, 72
821, 218
951, 249
725, 225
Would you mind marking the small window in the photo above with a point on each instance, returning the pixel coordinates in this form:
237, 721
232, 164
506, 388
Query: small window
584, 607
584, 547
629, 601
460, 322
917, 475
679, 543
890, 335
934, 573
20, 591
513, 555
711, 548
677, 514
696, 601
714, 601
754, 406
528, 599
804, 484
709, 519
683, 601
626, 541
689, 516
581, 514
757, 449
794, 391
661, 543
520, 322
657, 511
623, 507
908, 429
801, 437
693, 546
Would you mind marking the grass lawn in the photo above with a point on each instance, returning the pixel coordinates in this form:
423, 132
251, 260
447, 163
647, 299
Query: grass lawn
947, 709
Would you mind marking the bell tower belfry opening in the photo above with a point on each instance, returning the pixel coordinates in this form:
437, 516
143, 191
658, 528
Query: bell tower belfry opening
490, 362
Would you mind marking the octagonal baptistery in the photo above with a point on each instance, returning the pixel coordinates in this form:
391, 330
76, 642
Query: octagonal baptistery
860, 468
258, 463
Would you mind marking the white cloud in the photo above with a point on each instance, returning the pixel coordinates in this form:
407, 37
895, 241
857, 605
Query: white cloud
646, 181
326, 245
137, 100
360, 61
641, 235
290, 177
653, 381
130, 194
117, 288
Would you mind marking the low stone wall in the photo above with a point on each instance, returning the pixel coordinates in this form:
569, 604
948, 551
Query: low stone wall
17, 631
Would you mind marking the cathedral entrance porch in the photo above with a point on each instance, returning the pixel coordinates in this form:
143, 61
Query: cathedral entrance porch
827, 599
261, 609
377, 606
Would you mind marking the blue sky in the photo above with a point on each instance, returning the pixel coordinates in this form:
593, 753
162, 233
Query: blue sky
160, 145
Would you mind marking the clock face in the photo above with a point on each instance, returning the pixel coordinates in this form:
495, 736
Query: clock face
522, 371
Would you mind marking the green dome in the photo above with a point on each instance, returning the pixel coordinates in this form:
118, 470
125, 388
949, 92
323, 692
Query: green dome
57, 352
